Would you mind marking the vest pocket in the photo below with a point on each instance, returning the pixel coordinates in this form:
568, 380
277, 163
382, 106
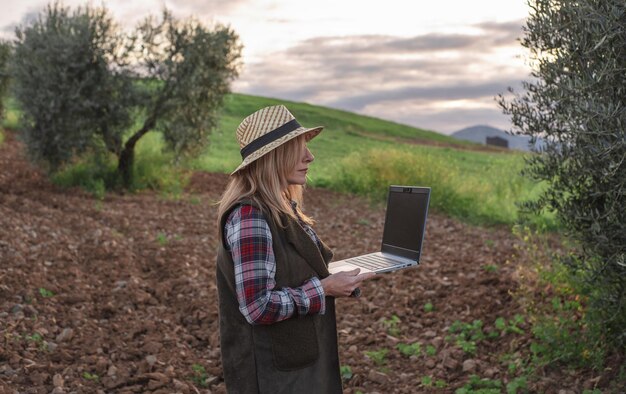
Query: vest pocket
294, 343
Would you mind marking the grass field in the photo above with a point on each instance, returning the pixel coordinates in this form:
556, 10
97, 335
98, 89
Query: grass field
355, 154
362, 155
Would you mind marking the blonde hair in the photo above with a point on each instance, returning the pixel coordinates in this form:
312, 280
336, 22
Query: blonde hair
264, 181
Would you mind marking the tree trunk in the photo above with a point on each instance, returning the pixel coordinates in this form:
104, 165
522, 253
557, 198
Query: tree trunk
125, 165
127, 157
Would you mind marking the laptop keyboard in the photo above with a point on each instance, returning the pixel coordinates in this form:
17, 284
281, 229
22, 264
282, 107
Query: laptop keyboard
373, 261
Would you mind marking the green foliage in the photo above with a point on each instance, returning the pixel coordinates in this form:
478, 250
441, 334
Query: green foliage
36, 337
413, 349
477, 187
97, 173
517, 385
560, 337
392, 325
476, 385
45, 293
84, 87
377, 356
90, 376
346, 372
431, 350
490, 267
563, 335
5, 54
73, 97
162, 239
10, 117
512, 326
467, 334
200, 375
90, 173
428, 307
576, 103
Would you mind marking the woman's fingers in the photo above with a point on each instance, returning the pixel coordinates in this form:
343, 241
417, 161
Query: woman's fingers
365, 276
344, 283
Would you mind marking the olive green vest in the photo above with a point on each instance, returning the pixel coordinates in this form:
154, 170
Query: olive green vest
297, 355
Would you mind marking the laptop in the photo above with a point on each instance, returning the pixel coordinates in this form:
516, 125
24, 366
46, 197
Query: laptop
403, 233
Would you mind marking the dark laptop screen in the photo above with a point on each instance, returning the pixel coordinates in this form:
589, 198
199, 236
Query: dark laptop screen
407, 208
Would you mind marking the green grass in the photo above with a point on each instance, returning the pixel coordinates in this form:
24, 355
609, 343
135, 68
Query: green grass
364, 155
355, 154
11, 116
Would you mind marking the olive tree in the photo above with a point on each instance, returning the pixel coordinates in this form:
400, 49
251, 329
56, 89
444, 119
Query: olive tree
576, 102
5, 53
188, 69
73, 98
83, 84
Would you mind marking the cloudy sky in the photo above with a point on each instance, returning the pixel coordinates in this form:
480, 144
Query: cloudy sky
431, 64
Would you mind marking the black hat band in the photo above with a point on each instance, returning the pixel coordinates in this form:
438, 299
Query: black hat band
269, 137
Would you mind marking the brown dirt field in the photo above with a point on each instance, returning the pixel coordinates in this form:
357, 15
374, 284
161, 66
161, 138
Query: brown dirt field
133, 307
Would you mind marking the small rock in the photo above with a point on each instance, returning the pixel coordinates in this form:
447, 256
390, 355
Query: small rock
51, 346
169, 371
562, 391
353, 349
152, 347
39, 378
112, 371
377, 377
151, 360
180, 386
437, 342
7, 370
58, 390
430, 334
65, 335
109, 382
430, 363
469, 365
158, 376
450, 363
155, 384
17, 308
490, 373
57, 380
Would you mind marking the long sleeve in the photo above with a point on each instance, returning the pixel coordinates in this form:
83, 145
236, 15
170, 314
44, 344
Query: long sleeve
250, 241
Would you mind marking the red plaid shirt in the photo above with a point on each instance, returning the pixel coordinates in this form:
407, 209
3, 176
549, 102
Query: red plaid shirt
250, 242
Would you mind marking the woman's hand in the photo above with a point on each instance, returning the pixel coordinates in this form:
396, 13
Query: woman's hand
343, 283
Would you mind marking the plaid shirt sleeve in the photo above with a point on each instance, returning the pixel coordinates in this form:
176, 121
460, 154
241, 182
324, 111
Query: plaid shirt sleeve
250, 241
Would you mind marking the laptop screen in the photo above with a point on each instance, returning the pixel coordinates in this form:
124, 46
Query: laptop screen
407, 208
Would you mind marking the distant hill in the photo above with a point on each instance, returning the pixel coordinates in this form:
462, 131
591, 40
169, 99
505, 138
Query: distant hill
479, 135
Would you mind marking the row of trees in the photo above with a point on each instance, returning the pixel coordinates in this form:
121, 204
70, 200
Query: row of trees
84, 85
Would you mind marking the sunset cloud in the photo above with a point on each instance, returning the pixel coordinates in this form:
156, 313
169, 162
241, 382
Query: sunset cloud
407, 79
437, 69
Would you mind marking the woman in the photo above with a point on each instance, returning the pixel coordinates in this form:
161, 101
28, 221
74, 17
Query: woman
276, 296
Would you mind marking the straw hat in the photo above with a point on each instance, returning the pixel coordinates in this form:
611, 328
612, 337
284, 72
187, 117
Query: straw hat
267, 129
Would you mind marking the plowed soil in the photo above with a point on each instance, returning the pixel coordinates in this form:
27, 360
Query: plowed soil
118, 295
